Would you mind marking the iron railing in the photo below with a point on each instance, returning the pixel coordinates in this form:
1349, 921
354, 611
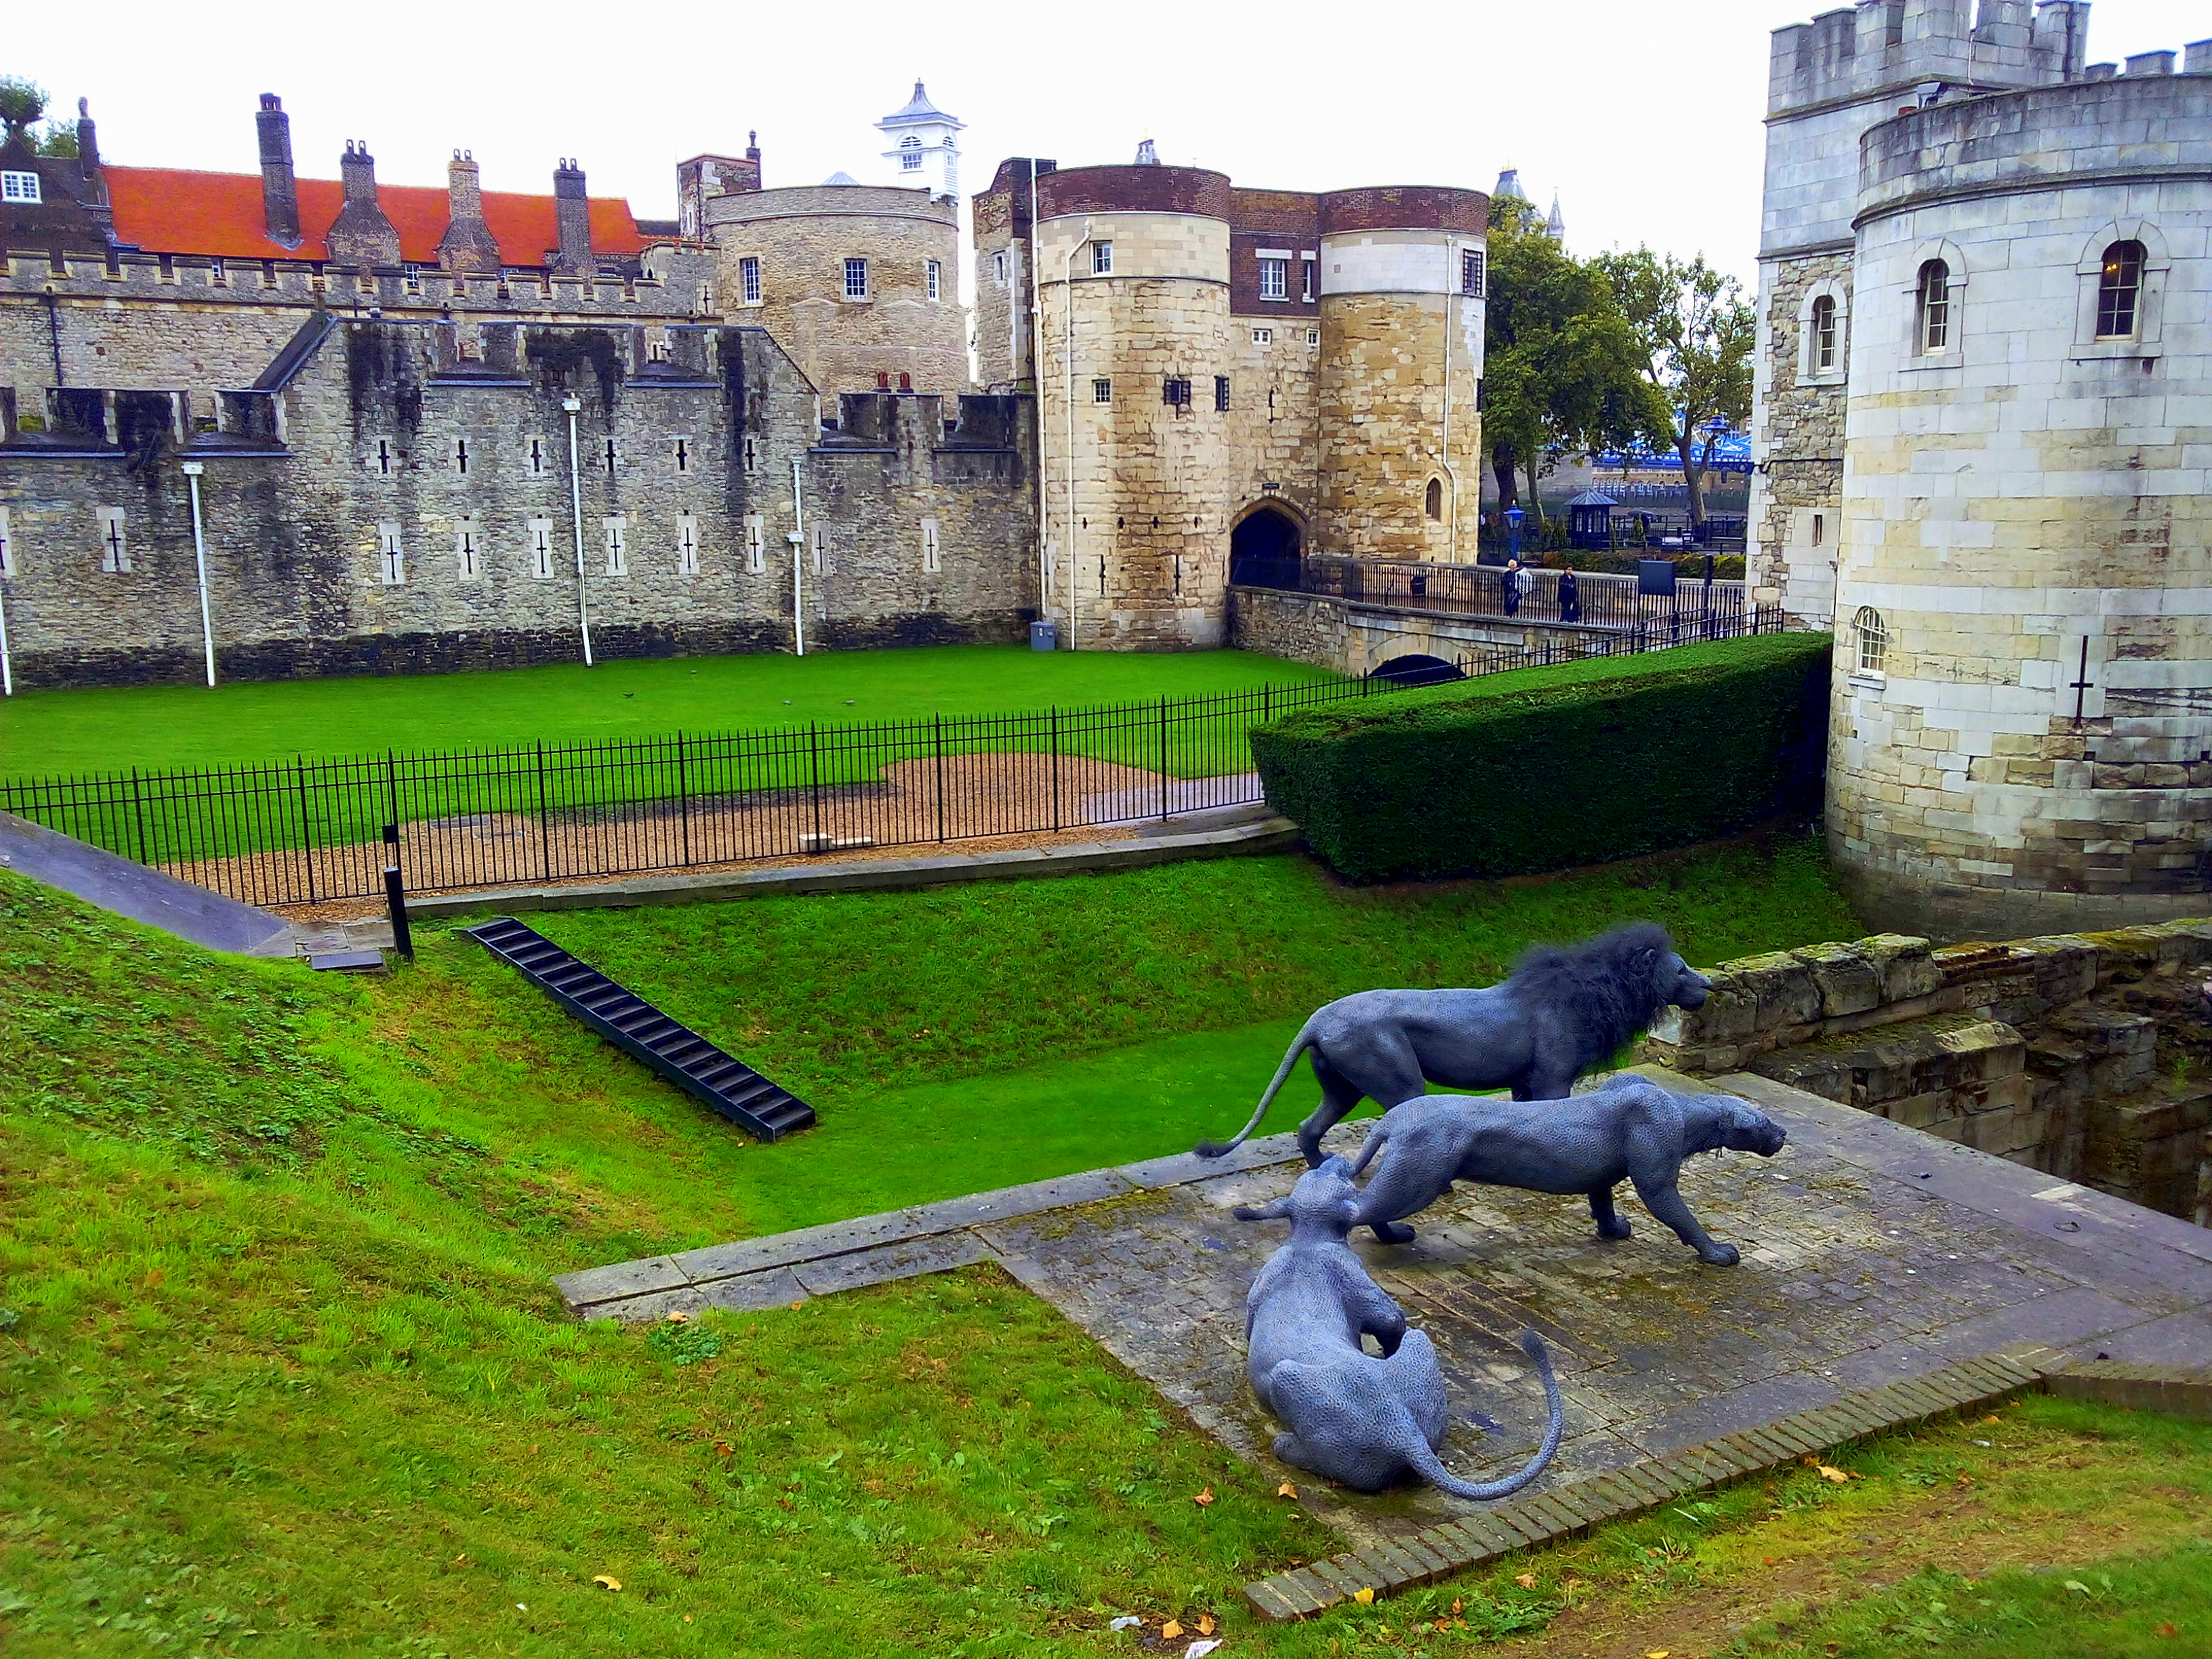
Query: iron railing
1600, 600
307, 832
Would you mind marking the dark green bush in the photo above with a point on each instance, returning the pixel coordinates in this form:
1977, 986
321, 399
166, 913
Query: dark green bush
1543, 768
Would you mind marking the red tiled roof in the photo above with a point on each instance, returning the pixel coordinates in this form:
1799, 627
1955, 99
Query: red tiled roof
169, 211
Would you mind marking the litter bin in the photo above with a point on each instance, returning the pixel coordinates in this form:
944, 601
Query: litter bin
1044, 636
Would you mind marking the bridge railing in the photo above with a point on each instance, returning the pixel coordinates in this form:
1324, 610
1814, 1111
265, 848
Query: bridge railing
1595, 599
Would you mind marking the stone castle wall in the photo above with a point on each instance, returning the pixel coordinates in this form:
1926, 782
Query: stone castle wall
1796, 507
919, 533
802, 238
2083, 1055
2027, 520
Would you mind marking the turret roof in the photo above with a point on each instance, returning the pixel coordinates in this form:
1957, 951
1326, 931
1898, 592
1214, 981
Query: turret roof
919, 108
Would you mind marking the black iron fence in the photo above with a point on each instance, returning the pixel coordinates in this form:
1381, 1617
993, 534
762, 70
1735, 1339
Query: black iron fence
312, 831
1594, 599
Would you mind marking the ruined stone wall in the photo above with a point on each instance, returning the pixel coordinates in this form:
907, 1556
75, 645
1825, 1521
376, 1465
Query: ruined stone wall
463, 467
802, 238
2025, 654
2088, 1056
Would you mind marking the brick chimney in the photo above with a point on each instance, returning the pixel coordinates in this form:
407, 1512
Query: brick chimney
362, 235
467, 243
571, 213
280, 189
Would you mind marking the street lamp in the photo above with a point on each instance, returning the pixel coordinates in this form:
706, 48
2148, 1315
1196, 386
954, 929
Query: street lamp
577, 517
1513, 516
192, 470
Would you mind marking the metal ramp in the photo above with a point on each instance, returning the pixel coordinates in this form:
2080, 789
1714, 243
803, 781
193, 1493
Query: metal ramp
642, 1031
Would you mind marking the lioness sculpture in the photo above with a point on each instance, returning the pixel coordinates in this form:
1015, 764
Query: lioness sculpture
1560, 1013
1629, 1129
1364, 1422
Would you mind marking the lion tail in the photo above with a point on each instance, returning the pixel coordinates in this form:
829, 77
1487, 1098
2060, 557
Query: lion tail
1432, 1469
1377, 1139
1299, 1044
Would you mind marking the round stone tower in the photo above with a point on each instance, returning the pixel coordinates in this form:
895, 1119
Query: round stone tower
1403, 275
1132, 265
860, 283
2022, 736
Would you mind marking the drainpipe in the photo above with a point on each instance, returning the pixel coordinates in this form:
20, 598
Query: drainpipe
7, 659
798, 538
1068, 301
1036, 388
192, 470
576, 517
1451, 529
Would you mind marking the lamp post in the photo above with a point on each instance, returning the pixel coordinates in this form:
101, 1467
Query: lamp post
577, 517
192, 470
1513, 529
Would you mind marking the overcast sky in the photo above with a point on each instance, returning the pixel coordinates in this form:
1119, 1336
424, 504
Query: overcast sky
1643, 117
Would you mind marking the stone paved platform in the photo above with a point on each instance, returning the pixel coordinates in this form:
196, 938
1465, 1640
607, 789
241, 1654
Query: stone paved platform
1872, 1253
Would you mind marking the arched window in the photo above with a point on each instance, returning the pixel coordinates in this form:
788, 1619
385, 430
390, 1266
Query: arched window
1436, 498
2119, 291
1873, 636
1824, 331
1934, 307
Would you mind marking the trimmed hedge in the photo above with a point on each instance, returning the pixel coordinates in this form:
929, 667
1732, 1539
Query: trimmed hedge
1544, 768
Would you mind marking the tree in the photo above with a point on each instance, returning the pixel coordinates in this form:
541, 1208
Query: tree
1694, 332
1561, 369
21, 103
58, 140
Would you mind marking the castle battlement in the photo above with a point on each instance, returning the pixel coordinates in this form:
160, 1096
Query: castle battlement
1882, 47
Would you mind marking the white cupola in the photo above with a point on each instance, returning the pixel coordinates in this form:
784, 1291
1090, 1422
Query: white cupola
925, 149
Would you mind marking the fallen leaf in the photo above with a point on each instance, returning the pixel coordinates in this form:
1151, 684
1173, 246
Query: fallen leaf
1169, 1631
460, 1561
1205, 1624
1457, 1605
1526, 1580
2077, 1585
1203, 1499
726, 1448
679, 1319
1829, 1473
154, 1279
1286, 1490
2168, 1630
607, 1581
1364, 1597
687, 1618
1964, 1481
1658, 1653
1993, 1420
796, 1306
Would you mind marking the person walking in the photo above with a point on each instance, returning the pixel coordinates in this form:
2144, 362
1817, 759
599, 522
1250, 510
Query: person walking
1570, 597
1515, 585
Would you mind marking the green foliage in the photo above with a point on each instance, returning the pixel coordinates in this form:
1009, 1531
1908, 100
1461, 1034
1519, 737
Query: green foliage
57, 141
1545, 769
1694, 333
21, 103
1561, 364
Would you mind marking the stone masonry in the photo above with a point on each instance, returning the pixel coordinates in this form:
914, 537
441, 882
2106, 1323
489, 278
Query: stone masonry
2086, 1056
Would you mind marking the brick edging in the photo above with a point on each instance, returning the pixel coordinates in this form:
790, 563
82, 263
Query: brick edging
1563, 1512
2182, 1390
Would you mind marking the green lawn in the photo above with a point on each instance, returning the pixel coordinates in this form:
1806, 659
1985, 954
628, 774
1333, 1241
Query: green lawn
163, 727
281, 1373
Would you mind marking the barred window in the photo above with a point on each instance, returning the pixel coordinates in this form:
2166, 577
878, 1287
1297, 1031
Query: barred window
1102, 390
1221, 393
1473, 268
1872, 637
1934, 307
2119, 291
1175, 390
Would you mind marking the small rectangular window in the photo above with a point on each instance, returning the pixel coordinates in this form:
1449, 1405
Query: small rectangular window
750, 455
749, 283
1220, 393
391, 558
1102, 390
998, 268
1311, 264
1102, 258
540, 458
683, 454
1263, 337
933, 273
19, 187
541, 548
616, 531
821, 551
1471, 271
1175, 390
931, 563
687, 544
1313, 336
411, 275
856, 279
1819, 528
461, 456
755, 543
7, 546
468, 563
1274, 279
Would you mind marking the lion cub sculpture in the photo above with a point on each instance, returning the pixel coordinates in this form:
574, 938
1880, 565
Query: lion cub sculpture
1627, 1129
1364, 1422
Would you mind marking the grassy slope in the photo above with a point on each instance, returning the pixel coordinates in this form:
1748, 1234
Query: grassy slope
170, 726
284, 1360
